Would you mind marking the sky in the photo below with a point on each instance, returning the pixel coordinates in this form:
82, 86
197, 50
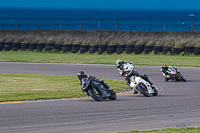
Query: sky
130, 4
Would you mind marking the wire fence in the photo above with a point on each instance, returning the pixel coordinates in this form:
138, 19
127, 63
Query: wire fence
100, 25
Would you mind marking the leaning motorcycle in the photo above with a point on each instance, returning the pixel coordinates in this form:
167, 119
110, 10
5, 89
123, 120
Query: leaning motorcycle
175, 74
96, 90
142, 86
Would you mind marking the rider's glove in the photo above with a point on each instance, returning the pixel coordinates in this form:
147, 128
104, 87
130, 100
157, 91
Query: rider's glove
99, 80
91, 77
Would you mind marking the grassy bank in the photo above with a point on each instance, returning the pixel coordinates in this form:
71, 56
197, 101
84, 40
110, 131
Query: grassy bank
177, 39
17, 87
169, 130
142, 59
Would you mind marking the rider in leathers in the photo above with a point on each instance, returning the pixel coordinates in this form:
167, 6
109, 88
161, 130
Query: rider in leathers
81, 74
120, 66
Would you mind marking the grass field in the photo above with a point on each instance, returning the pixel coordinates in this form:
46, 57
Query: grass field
18, 87
142, 59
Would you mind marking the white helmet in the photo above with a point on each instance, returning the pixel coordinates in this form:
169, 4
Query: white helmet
128, 68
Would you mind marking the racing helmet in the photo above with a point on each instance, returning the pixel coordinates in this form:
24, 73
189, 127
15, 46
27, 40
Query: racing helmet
128, 69
164, 67
119, 62
81, 74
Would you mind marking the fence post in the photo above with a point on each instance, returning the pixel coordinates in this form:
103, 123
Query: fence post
60, 24
139, 26
37, 25
165, 26
115, 25
99, 25
16, 25
80, 25
192, 26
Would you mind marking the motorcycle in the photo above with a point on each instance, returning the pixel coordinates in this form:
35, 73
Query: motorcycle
96, 90
175, 74
142, 86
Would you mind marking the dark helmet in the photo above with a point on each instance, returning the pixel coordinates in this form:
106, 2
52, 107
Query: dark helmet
119, 62
81, 74
164, 67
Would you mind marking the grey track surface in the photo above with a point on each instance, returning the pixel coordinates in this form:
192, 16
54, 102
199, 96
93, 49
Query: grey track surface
177, 104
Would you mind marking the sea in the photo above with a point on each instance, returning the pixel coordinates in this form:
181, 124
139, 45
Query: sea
99, 19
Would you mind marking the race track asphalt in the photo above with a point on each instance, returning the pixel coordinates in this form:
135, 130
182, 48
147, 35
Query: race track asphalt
177, 104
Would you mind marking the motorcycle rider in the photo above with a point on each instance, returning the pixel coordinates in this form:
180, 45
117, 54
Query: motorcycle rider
130, 71
164, 71
81, 74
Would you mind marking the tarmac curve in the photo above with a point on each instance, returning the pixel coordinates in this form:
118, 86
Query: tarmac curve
177, 104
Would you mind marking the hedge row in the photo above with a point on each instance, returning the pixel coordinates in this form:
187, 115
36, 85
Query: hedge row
109, 49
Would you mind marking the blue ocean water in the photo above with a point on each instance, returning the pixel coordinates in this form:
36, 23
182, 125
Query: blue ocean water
127, 19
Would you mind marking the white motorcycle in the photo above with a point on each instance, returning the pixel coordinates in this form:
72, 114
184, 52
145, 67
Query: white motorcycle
142, 86
174, 74
136, 82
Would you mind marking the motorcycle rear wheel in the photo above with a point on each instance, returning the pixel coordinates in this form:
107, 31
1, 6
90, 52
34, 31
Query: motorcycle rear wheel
143, 91
95, 94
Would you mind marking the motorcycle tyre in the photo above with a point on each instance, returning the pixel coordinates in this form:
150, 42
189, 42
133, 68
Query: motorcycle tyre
94, 96
113, 95
155, 92
181, 77
143, 92
183, 80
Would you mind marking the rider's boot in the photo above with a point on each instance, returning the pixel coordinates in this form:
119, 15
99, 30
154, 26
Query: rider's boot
135, 92
104, 95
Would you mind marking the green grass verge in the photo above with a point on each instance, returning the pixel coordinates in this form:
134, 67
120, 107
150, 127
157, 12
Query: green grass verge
169, 130
142, 59
17, 87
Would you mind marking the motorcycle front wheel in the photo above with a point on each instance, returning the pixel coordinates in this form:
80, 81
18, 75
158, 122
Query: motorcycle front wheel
155, 92
181, 77
95, 94
113, 95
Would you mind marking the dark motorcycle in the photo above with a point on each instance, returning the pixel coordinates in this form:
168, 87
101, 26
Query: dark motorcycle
175, 74
96, 90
